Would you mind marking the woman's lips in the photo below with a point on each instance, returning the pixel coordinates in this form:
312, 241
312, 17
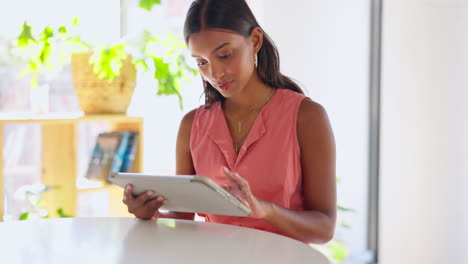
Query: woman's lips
225, 86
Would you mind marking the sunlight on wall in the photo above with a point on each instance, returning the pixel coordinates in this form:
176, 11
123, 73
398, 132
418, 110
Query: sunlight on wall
56, 12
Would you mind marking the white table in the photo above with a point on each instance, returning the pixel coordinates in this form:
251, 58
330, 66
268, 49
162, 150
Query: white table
129, 240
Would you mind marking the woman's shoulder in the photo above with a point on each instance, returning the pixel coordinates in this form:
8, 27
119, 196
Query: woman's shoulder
310, 110
288, 96
196, 113
312, 122
187, 120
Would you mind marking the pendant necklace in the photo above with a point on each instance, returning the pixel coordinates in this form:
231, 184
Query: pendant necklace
240, 122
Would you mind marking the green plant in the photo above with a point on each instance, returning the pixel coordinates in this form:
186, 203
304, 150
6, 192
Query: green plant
32, 194
148, 4
46, 51
51, 49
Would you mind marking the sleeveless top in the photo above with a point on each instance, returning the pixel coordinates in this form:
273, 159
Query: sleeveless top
269, 159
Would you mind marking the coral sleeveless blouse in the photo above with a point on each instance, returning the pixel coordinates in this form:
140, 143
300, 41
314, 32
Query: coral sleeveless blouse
269, 159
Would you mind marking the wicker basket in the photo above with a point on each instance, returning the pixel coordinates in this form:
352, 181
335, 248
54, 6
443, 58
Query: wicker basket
101, 96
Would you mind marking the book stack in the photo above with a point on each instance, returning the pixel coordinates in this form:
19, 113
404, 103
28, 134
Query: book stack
113, 152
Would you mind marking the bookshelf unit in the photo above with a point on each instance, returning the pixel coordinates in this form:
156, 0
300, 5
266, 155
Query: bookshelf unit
59, 157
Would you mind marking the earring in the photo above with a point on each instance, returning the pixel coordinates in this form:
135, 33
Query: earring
255, 60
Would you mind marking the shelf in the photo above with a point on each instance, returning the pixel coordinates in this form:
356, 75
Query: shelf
85, 184
92, 189
64, 118
59, 156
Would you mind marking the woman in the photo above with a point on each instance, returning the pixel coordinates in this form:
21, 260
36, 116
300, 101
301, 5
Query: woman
257, 134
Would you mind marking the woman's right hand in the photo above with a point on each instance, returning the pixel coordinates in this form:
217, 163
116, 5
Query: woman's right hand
142, 206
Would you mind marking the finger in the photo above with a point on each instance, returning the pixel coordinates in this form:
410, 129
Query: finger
244, 184
227, 173
243, 200
226, 187
128, 196
145, 196
229, 176
240, 187
147, 208
155, 204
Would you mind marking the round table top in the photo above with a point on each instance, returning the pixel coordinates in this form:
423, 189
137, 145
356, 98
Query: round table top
130, 240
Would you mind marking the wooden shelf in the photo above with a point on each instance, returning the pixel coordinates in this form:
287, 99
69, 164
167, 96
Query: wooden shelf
64, 118
59, 155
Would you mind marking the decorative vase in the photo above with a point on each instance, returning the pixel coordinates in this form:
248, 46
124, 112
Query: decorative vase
101, 96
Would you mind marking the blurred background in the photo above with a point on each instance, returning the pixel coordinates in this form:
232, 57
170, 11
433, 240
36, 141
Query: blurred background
391, 75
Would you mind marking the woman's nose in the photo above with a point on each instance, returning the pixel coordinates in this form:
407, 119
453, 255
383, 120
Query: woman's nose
216, 72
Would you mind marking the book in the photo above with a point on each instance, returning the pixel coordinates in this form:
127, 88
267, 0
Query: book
119, 154
103, 155
129, 156
111, 151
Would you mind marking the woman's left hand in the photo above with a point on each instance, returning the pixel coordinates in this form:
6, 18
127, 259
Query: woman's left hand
240, 189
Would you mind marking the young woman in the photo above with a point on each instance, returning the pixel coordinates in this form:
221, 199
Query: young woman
257, 134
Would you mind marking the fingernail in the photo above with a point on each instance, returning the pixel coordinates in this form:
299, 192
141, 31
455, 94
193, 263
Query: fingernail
150, 192
226, 169
160, 198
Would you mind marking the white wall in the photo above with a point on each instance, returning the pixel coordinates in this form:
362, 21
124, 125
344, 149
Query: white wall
423, 208
54, 13
324, 44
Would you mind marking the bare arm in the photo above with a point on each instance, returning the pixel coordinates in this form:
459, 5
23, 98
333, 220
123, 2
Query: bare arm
317, 223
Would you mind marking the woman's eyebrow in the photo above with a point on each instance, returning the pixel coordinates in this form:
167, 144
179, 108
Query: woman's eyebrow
216, 49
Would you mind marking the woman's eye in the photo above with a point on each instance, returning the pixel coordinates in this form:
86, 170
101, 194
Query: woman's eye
201, 63
224, 56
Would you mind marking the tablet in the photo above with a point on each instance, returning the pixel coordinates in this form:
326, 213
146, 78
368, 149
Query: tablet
184, 193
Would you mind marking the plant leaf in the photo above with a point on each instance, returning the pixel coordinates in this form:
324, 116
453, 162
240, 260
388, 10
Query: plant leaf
34, 79
338, 250
108, 63
148, 4
45, 53
63, 29
25, 36
141, 64
24, 216
51, 187
47, 33
161, 69
39, 203
60, 213
345, 209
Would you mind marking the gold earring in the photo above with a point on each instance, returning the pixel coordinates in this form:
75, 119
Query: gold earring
255, 60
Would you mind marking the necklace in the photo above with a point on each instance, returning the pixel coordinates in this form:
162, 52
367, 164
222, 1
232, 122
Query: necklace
240, 122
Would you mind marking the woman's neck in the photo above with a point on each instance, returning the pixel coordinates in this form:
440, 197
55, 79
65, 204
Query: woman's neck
254, 95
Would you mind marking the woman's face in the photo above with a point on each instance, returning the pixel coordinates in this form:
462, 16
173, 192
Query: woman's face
225, 60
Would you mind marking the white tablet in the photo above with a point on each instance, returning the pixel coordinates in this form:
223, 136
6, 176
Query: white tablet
184, 193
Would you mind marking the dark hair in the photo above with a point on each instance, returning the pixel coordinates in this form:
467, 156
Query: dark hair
236, 16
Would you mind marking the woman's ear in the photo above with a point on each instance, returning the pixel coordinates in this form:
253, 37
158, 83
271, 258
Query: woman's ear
256, 38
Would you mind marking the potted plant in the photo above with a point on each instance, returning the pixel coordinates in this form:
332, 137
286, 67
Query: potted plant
104, 76
34, 206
